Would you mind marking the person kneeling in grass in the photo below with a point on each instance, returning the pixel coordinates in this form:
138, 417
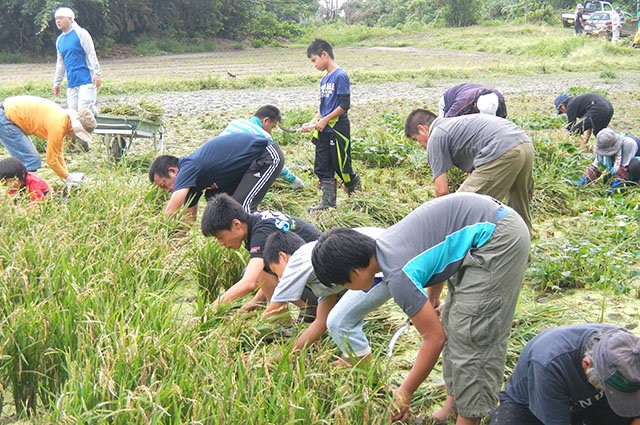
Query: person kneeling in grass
288, 257
263, 122
481, 246
226, 220
14, 175
619, 154
579, 374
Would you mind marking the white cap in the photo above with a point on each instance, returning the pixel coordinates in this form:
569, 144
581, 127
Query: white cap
64, 12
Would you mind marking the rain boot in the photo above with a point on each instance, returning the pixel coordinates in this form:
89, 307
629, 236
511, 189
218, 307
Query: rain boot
353, 186
328, 187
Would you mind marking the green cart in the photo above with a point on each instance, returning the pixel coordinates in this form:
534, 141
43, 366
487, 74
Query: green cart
118, 133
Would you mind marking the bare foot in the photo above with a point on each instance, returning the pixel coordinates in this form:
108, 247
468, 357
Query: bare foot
445, 413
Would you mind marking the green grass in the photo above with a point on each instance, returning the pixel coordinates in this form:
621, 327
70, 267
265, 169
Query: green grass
106, 314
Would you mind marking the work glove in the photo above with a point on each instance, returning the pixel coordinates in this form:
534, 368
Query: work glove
74, 180
615, 184
583, 180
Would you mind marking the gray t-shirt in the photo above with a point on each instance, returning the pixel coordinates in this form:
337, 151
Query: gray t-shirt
299, 273
428, 246
469, 141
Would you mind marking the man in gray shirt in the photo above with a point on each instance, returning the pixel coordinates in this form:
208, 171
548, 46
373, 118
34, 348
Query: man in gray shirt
497, 153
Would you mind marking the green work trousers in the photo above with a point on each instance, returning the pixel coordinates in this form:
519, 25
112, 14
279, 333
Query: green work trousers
477, 316
508, 178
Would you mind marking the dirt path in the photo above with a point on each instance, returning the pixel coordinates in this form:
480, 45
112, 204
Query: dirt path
215, 101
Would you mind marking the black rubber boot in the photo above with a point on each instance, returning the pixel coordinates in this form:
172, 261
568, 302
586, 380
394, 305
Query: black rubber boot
328, 187
353, 186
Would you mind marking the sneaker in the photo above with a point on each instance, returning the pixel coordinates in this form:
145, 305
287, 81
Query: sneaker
297, 183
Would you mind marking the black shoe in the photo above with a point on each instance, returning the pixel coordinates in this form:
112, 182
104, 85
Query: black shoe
353, 186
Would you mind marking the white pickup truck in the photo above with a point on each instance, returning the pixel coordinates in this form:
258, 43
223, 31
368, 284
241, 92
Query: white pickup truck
569, 18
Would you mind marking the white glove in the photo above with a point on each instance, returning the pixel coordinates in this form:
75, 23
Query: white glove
76, 178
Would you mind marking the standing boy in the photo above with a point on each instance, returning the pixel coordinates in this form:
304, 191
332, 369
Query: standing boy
289, 258
477, 243
231, 225
76, 54
331, 127
586, 113
243, 165
24, 116
262, 123
579, 374
497, 153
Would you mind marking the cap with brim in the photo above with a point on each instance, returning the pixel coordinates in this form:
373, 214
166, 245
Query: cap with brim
563, 97
83, 124
616, 358
64, 12
608, 142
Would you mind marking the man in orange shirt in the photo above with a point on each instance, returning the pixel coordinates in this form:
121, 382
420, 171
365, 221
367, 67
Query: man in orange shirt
24, 116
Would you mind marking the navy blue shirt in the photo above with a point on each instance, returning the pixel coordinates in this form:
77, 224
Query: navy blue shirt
331, 87
218, 165
549, 377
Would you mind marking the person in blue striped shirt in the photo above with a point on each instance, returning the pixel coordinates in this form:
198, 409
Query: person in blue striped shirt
263, 122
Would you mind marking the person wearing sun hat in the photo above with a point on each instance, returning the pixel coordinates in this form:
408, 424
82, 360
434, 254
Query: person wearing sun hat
580, 374
24, 116
586, 113
618, 154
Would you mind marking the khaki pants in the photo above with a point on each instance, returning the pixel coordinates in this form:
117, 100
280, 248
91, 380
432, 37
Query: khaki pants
477, 316
508, 178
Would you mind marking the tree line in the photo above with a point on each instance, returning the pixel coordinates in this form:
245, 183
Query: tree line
28, 25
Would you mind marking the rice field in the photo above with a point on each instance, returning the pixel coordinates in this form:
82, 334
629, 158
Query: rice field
105, 313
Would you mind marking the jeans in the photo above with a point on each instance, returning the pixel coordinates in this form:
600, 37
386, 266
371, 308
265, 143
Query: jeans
82, 97
18, 144
346, 318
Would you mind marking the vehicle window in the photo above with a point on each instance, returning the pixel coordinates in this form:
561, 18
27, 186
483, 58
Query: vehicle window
600, 16
591, 6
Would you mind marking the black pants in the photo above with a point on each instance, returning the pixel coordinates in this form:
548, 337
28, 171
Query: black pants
518, 414
333, 156
257, 179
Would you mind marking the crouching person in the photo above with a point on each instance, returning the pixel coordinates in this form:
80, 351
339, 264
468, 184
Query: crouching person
226, 220
619, 154
288, 257
477, 243
580, 374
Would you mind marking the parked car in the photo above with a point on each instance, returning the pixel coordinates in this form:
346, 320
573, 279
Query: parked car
569, 18
599, 25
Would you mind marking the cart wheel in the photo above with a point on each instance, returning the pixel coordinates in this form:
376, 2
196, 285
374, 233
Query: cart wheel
116, 150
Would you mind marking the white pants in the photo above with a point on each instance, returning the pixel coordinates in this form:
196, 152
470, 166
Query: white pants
82, 97
615, 35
